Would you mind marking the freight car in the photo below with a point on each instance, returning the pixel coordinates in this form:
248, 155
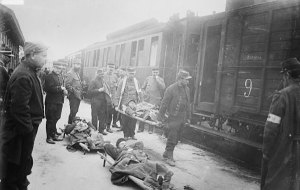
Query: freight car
238, 71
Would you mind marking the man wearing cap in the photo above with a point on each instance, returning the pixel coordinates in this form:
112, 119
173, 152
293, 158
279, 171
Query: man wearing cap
74, 88
4, 76
176, 103
24, 111
153, 87
112, 80
128, 90
281, 151
55, 92
99, 93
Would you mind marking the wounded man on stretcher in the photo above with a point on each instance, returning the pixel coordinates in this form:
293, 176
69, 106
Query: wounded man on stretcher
132, 160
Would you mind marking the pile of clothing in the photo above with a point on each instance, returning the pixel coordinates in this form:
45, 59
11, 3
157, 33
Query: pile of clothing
83, 135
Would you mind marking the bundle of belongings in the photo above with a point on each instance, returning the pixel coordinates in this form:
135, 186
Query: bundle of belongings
132, 160
142, 110
82, 135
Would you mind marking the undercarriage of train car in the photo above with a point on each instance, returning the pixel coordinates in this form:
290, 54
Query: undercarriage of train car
237, 125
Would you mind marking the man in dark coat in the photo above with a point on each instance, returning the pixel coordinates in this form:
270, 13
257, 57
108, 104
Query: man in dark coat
74, 87
54, 102
281, 151
99, 92
4, 75
24, 110
176, 103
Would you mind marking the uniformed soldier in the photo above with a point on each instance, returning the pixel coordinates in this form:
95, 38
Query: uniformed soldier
176, 102
281, 151
99, 93
75, 90
112, 80
55, 93
153, 88
128, 90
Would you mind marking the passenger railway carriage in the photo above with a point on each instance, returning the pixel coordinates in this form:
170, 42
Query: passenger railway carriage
233, 56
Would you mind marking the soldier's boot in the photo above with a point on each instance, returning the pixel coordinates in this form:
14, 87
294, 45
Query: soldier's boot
171, 156
165, 155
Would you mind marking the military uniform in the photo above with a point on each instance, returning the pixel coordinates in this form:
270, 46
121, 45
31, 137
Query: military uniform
112, 114
54, 102
128, 90
99, 101
74, 87
281, 139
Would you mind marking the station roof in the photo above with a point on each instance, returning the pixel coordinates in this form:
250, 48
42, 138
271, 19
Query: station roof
10, 24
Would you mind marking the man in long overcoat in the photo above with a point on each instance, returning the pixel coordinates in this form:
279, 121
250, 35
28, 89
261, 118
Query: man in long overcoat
74, 87
24, 110
99, 93
281, 151
176, 103
55, 94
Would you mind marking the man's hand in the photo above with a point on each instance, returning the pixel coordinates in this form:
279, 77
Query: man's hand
101, 89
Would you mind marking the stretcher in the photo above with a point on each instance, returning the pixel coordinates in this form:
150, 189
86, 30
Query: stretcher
134, 179
157, 124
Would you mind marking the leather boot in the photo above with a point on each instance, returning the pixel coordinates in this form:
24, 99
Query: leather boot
171, 156
165, 155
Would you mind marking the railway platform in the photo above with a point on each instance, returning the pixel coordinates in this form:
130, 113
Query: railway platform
55, 166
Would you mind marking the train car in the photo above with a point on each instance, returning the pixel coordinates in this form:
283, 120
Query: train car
11, 35
238, 71
138, 46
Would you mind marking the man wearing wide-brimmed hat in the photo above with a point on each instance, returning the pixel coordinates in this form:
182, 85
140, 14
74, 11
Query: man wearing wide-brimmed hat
281, 139
24, 111
176, 103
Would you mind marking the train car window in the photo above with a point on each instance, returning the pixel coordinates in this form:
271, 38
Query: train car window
94, 58
133, 53
153, 51
140, 50
104, 58
117, 55
98, 58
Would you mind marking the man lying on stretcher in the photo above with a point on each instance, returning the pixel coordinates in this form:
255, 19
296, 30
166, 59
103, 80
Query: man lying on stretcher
132, 160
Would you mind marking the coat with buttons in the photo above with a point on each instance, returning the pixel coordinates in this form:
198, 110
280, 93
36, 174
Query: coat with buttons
279, 140
74, 85
24, 110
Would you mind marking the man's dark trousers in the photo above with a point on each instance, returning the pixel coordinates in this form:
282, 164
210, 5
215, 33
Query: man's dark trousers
99, 114
128, 125
174, 125
53, 114
15, 175
74, 105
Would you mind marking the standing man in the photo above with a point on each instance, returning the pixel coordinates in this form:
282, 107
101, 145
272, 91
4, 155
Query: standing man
100, 96
4, 76
74, 87
128, 90
176, 103
24, 112
281, 149
54, 102
153, 87
112, 80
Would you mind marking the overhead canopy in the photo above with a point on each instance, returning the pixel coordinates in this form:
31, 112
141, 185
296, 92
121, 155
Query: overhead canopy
10, 26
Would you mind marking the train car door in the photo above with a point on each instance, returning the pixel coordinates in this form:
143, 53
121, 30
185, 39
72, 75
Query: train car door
211, 43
